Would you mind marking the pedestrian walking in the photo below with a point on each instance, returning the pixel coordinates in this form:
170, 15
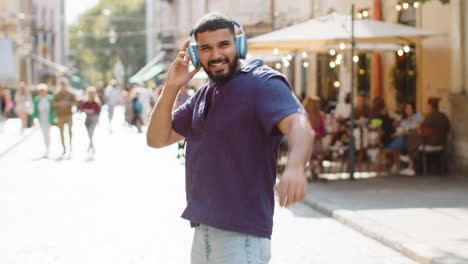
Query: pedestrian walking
127, 102
23, 105
5, 105
44, 113
112, 99
92, 107
137, 108
64, 101
233, 126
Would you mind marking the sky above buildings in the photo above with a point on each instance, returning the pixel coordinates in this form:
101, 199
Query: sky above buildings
74, 8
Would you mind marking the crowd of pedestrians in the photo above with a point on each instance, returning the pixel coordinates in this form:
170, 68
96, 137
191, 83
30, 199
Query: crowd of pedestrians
46, 107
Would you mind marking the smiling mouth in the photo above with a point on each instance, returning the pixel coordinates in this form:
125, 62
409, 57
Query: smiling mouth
218, 65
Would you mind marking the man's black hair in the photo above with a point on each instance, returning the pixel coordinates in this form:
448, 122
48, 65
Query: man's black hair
212, 22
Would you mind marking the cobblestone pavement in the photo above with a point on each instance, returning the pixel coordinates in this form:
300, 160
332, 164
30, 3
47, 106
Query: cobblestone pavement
123, 206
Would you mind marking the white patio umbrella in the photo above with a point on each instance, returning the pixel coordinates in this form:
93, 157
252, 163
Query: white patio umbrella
335, 29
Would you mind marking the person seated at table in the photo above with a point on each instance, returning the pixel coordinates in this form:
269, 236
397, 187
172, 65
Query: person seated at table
317, 121
408, 137
343, 109
435, 119
362, 111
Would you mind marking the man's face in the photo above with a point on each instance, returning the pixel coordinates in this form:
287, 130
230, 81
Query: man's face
217, 51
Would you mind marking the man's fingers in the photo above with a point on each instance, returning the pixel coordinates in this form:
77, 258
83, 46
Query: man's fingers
292, 194
282, 192
184, 47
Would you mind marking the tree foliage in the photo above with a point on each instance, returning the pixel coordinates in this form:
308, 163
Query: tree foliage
92, 51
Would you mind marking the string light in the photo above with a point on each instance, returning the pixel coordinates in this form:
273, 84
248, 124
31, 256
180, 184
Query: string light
305, 64
289, 57
356, 58
398, 7
416, 4
405, 5
406, 49
332, 64
337, 84
304, 54
400, 52
275, 51
278, 66
338, 62
342, 46
339, 57
332, 52
286, 64
365, 13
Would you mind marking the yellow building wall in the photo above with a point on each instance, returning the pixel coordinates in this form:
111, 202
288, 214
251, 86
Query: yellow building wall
434, 67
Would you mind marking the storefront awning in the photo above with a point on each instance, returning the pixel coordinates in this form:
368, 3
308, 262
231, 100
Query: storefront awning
7, 58
55, 66
154, 67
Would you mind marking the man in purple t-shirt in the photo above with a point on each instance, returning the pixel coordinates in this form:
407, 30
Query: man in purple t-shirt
233, 126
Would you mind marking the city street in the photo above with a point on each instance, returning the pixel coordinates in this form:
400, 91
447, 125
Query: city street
123, 206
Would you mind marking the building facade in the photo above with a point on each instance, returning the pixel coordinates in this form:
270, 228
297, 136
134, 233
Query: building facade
433, 67
48, 38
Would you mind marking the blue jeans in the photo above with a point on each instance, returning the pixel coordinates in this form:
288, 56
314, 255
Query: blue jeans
216, 246
397, 143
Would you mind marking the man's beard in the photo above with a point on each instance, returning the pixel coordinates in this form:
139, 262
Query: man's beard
222, 77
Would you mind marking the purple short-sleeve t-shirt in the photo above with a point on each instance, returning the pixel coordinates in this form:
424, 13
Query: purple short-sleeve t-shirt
232, 147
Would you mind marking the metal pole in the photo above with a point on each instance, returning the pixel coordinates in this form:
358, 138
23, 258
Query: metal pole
352, 147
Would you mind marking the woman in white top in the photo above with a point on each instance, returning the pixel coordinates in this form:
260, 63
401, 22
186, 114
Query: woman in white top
23, 105
45, 114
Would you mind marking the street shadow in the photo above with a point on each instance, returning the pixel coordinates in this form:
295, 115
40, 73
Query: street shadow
89, 158
393, 192
40, 158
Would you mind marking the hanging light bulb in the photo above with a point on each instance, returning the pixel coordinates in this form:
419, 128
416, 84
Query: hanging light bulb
339, 57
275, 51
332, 52
289, 57
278, 66
338, 62
304, 54
356, 58
332, 64
337, 84
405, 5
398, 7
359, 15
400, 52
365, 13
406, 49
342, 46
286, 64
305, 64
416, 4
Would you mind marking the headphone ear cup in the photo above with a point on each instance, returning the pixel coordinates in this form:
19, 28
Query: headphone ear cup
193, 52
241, 46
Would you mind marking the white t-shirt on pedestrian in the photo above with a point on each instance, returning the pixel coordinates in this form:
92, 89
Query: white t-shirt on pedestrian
343, 110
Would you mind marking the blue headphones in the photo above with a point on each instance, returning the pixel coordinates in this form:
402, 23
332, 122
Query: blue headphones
241, 47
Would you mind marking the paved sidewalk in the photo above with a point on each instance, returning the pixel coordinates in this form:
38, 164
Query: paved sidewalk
425, 218
11, 135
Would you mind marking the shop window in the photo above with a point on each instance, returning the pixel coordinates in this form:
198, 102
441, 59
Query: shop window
363, 74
